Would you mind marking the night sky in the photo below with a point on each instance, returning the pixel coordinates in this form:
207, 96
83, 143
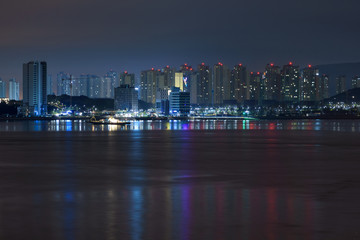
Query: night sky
93, 36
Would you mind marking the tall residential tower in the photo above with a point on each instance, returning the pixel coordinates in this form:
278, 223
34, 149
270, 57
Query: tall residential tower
290, 80
34, 87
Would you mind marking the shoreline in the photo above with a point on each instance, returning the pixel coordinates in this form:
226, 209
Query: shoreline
3, 119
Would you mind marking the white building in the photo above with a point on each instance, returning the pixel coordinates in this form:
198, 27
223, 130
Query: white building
34, 87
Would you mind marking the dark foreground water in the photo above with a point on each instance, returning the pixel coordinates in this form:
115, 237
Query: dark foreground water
250, 180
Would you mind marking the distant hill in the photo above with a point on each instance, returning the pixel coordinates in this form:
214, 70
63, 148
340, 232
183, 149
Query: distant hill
83, 101
352, 95
333, 70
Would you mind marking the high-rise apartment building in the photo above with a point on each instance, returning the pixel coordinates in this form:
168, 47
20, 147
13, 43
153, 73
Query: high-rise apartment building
2, 89
80, 85
94, 86
271, 83
323, 88
169, 73
14, 90
127, 78
162, 88
204, 87
108, 84
290, 83
254, 86
34, 87
148, 86
221, 83
239, 84
189, 78
340, 84
309, 84
179, 81
63, 84
49, 85
193, 87
161, 80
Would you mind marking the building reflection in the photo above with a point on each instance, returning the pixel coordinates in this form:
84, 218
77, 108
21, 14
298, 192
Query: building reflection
83, 126
68, 185
136, 212
180, 211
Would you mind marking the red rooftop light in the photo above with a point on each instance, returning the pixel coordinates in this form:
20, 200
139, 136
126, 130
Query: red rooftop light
271, 64
290, 63
309, 66
203, 64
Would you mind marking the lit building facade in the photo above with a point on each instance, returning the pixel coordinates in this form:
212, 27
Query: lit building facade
290, 83
179, 81
271, 83
239, 84
254, 86
93, 86
179, 102
309, 84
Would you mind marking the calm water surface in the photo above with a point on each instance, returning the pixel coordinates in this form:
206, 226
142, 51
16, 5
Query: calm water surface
185, 180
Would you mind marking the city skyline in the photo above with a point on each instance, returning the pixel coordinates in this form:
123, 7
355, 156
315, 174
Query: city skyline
53, 86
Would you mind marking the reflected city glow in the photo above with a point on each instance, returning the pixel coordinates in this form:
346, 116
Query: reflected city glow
152, 181
80, 125
184, 209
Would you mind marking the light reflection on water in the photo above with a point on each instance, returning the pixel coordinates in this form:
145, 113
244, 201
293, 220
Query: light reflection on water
179, 184
80, 125
180, 212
